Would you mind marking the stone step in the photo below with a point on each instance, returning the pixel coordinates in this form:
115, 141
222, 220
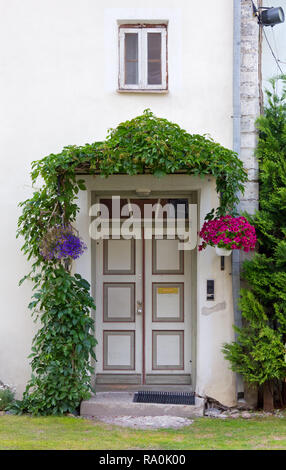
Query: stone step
120, 404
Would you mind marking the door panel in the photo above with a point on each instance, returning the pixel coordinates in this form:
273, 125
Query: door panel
119, 350
168, 301
166, 258
119, 301
167, 312
167, 350
118, 327
119, 256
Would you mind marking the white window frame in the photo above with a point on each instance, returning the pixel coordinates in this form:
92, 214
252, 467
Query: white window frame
142, 58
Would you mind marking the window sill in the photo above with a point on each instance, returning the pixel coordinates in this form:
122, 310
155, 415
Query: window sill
161, 92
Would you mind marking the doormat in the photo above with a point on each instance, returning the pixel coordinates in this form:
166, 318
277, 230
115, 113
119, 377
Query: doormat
170, 398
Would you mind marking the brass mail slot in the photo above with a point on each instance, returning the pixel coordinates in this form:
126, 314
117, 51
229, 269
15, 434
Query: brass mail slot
168, 290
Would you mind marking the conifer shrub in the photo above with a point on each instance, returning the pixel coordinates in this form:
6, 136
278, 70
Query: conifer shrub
259, 353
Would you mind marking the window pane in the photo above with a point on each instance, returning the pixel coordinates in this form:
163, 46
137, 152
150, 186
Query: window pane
154, 59
131, 58
131, 73
154, 73
131, 46
154, 46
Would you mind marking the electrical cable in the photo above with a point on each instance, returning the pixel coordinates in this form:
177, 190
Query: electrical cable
277, 55
276, 48
272, 52
275, 43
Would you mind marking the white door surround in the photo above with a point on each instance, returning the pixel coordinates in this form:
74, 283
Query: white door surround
145, 295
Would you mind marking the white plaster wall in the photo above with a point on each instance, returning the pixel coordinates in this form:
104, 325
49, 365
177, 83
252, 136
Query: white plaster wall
58, 78
214, 319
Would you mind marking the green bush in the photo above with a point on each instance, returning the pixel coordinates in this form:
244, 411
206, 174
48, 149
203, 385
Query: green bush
259, 353
6, 398
62, 347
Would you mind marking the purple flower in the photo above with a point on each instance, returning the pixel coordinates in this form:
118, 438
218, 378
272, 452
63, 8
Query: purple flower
60, 242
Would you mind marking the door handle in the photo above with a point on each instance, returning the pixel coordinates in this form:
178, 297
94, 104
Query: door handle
139, 309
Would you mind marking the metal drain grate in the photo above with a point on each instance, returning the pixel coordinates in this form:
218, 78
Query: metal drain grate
170, 398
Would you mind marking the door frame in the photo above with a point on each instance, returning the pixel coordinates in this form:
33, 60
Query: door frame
194, 199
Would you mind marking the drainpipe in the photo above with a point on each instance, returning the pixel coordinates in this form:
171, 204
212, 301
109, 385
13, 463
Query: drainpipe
236, 148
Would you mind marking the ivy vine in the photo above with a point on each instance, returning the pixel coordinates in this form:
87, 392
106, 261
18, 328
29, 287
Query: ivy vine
144, 145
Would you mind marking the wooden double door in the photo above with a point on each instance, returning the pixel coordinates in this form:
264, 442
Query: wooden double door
143, 311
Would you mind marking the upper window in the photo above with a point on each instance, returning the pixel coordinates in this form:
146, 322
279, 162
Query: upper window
143, 57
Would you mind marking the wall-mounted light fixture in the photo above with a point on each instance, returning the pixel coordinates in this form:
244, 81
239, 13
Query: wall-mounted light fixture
269, 16
143, 192
272, 16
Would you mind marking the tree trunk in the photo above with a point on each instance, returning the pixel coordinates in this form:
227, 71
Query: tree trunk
268, 402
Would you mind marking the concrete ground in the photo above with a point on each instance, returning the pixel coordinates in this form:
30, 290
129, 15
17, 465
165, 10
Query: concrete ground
148, 422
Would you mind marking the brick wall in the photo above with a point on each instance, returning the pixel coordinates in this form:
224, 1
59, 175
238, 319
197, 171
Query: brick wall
249, 93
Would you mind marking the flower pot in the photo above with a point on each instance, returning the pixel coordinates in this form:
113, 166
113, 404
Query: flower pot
222, 251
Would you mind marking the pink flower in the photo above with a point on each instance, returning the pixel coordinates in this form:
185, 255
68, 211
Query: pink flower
228, 232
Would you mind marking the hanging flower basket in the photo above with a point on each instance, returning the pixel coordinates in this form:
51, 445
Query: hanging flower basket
61, 242
228, 233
